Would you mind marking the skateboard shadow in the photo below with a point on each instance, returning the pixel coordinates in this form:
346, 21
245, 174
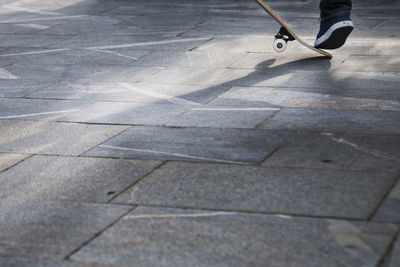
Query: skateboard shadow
317, 63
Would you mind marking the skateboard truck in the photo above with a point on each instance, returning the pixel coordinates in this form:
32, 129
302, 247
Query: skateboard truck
287, 34
281, 39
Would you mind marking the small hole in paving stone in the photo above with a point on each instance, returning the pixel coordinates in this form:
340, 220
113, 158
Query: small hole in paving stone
111, 193
326, 161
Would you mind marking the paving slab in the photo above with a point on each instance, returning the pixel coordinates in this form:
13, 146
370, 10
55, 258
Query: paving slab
131, 41
348, 121
394, 259
35, 137
371, 63
21, 89
338, 151
341, 62
38, 109
94, 91
107, 73
5, 62
376, 25
21, 74
389, 211
17, 17
223, 116
87, 24
316, 79
233, 21
72, 178
241, 146
270, 190
57, 9
309, 98
31, 40
88, 7
24, 74
385, 4
8, 160
128, 113
322, 135
199, 76
189, 59
129, 92
21, 28
50, 230
24, 262
174, 237
280, 76
209, 31
388, 12
95, 57
115, 25
156, 19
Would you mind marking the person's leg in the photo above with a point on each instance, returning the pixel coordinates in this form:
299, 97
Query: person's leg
334, 8
336, 24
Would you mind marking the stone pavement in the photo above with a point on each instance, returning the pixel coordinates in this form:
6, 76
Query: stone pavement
169, 133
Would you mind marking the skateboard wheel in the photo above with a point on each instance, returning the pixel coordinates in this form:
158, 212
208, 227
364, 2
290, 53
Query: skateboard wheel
280, 45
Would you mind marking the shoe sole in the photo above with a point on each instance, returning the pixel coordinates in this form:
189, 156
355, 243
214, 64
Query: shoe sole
336, 36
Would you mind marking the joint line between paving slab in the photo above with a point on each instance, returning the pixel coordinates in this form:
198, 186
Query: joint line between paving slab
114, 53
39, 88
281, 145
388, 250
384, 198
104, 123
213, 98
80, 155
274, 151
194, 27
98, 234
136, 184
196, 47
268, 118
15, 164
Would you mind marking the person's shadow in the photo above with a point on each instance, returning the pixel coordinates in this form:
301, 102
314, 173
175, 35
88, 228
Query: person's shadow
264, 72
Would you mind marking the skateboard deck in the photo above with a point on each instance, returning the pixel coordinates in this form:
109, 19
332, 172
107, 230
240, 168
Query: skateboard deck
287, 34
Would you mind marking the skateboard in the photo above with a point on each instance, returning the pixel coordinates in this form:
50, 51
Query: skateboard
286, 33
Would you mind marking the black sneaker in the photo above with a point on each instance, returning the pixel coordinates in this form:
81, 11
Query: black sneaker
333, 33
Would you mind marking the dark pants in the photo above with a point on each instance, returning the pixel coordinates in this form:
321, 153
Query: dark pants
331, 9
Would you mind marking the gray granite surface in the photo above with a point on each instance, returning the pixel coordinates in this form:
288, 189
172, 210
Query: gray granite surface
235, 154
72, 178
240, 146
174, 237
38, 229
35, 137
338, 194
8, 160
389, 211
